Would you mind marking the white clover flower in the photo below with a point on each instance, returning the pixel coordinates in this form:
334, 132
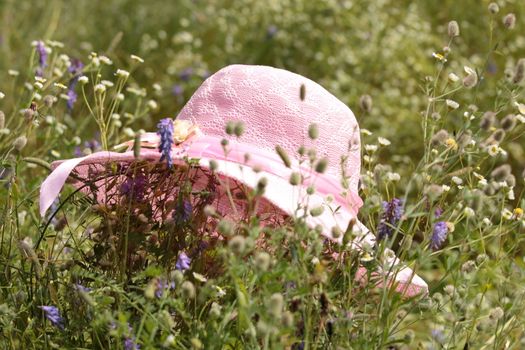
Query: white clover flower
122, 73
366, 132
83, 79
107, 83
506, 214
452, 104
457, 180
383, 141
453, 78
152, 104
13, 72
486, 222
393, 176
445, 188
105, 60
100, 88
371, 148
137, 58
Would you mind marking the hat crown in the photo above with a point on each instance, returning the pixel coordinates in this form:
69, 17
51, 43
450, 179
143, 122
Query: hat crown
267, 100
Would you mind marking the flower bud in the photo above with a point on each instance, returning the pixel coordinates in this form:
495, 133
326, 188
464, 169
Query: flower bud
321, 166
284, 156
493, 8
237, 244
519, 71
365, 102
313, 131
509, 21
19, 143
453, 29
188, 290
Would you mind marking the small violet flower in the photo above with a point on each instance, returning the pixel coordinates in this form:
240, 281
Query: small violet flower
53, 315
183, 262
439, 235
165, 131
42, 58
392, 212
75, 69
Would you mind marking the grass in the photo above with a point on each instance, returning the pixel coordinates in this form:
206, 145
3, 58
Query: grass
443, 144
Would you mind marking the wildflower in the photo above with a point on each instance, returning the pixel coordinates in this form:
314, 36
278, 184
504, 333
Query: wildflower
165, 130
493, 8
83, 80
506, 214
439, 137
496, 314
19, 143
451, 143
519, 71
183, 262
134, 187
498, 135
509, 21
177, 90
271, 31
383, 141
453, 29
186, 74
53, 315
390, 176
275, 305
471, 79
451, 104
137, 59
518, 212
121, 73
457, 180
365, 103
237, 244
439, 57
469, 212
262, 261
508, 123
452, 78
130, 343
42, 57
439, 234
371, 148
392, 212
188, 290
152, 104
100, 88
493, 150
487, 120
486, 222
501, 172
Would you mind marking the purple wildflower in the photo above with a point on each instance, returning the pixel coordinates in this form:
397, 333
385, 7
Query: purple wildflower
42, 57
75, 69
392, 212
177, 90
438, 212
91, 146
182, 214
130, 342
81, 288
163, 285
186, 74
183, 262
165, 130
134, 187
439, 235
53, 315
271, 31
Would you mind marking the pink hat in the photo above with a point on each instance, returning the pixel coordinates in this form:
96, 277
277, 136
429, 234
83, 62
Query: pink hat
267, 101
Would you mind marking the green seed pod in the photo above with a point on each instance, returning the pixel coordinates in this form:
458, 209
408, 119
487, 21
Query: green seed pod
321, 166
313, 131
238, 129
284, 156
230, 127
302, 92
295, 179
237, 244
188, 290
317, 211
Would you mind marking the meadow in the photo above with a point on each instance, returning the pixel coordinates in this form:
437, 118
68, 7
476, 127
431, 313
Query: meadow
437, 88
